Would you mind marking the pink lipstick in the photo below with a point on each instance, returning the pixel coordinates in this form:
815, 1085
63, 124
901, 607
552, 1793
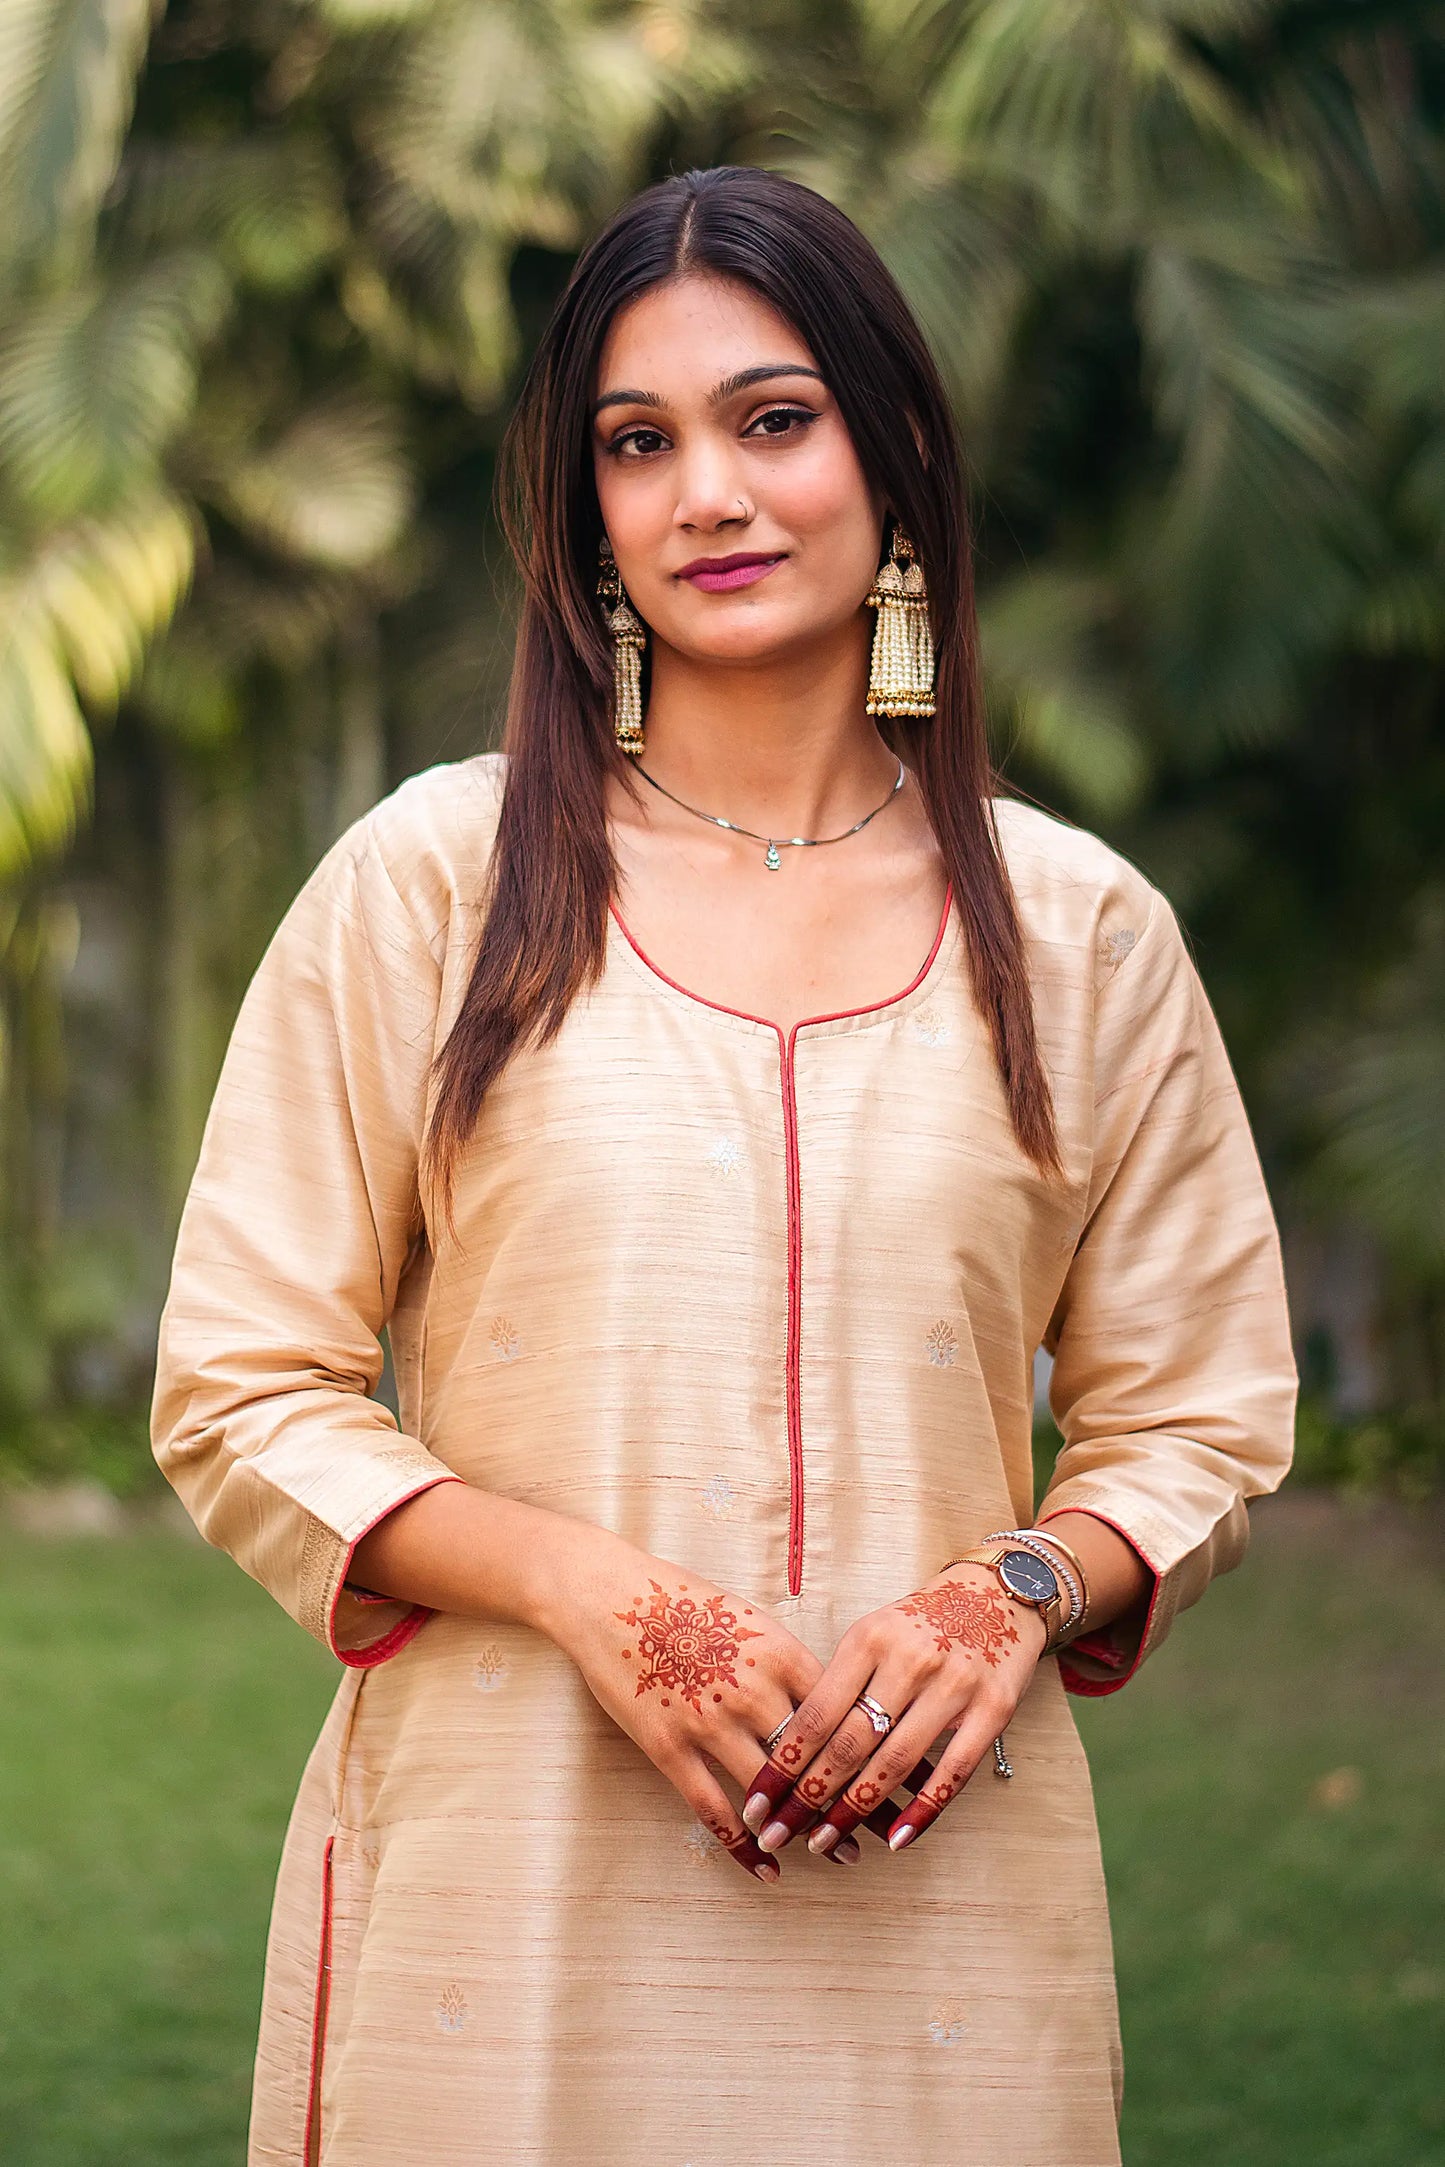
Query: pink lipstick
719, 575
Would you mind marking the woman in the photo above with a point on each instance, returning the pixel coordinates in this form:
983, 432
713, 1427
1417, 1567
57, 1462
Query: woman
718, 1107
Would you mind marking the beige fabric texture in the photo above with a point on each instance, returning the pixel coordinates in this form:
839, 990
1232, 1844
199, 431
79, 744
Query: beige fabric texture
498, 1935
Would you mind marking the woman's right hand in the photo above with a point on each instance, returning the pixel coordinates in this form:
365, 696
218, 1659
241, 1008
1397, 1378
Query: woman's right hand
697, 1677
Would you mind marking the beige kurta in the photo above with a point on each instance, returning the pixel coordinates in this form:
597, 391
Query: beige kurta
768, 1308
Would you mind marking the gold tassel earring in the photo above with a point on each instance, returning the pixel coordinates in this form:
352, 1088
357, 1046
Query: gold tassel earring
629, 637
900, 679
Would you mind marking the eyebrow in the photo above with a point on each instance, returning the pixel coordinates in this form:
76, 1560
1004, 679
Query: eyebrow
744, 379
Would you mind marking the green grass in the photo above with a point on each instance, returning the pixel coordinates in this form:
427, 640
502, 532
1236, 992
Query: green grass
155, 1712
1280, 1926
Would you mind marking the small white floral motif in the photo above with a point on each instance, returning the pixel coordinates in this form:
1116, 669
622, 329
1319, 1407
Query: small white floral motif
506, 1339
1113, 947
949, 2024
725, 1156
489, 1672
701, 1846
452, 2010
942, 1344
930, 1029
718, 1497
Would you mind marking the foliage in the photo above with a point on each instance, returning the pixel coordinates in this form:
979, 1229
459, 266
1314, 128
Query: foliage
81, 1444
267, 278
1399, 1454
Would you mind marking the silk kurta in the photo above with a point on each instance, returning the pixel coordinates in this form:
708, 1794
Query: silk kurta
766, 1304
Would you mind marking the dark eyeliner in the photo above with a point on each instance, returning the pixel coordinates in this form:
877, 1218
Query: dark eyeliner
615, 445
803, 414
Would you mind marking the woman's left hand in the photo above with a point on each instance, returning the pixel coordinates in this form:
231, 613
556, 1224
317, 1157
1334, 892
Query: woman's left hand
958, 1654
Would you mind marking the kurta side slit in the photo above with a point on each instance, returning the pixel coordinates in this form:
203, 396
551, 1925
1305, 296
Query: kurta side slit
656, 1298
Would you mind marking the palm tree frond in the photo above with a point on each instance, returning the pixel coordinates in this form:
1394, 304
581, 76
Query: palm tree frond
1106, 109
67, 83
1043, 638
335, 489
95, 384
74, 621
270, 209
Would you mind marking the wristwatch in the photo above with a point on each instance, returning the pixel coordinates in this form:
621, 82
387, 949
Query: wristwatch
1026, 1578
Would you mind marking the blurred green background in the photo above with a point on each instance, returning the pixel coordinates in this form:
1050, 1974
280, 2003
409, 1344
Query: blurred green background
269, 272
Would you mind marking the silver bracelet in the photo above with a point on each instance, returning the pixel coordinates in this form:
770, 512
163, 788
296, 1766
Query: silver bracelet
1043, 1548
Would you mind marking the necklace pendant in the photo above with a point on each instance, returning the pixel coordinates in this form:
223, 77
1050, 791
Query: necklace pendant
771, 859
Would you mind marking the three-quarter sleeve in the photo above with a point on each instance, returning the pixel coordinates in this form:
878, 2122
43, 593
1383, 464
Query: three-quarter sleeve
1174, 1381
297, 1228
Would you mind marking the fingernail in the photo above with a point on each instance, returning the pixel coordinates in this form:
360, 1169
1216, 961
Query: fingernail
823, 1837
847, 1851
768, 1870
774, 1836
901, 1836
756, 1811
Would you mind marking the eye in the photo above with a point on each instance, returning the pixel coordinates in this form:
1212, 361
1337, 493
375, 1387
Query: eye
781, 421
636, 443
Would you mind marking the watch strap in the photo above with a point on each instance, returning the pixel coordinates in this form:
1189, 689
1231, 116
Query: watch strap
992, 1555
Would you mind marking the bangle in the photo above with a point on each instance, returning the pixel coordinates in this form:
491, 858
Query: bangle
1077, 1563
1079, 1597
1077, 1589
1054, 1624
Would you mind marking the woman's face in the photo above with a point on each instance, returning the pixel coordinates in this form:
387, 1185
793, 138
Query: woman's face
741, 521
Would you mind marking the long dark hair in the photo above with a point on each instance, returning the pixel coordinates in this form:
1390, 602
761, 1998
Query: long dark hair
552, 872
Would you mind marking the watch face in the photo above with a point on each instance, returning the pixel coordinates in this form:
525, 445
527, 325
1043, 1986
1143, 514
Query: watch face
1028, 1576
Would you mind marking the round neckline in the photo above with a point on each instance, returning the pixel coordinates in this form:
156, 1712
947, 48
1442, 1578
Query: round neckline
636, 954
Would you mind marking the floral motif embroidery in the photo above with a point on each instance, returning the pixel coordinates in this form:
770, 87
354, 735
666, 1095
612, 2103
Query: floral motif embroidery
948, 2024
371, 1850
506, 1339
725, 1156
942, 1344
689, 1648
963, 1617
1113, 947
701, 1846
490, 1671
718, 1497
930, 1029
452, 2010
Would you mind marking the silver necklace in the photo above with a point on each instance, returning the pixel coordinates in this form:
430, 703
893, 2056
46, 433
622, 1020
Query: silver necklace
794, 842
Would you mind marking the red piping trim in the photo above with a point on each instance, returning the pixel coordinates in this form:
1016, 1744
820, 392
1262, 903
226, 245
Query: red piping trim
793, 1363
838, 1015
786, 1048
405, 1629
311, 2146
1074, 1680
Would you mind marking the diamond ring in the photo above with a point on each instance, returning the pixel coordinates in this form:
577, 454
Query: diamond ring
777, 1731
880, 1719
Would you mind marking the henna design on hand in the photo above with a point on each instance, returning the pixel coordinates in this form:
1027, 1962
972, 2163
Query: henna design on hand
739, 1845
924, 1811
817, 1789
976, 1619
690, 1648
857, 1804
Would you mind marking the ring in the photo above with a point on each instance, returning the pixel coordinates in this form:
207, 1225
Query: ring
777, 1731
880, 1719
